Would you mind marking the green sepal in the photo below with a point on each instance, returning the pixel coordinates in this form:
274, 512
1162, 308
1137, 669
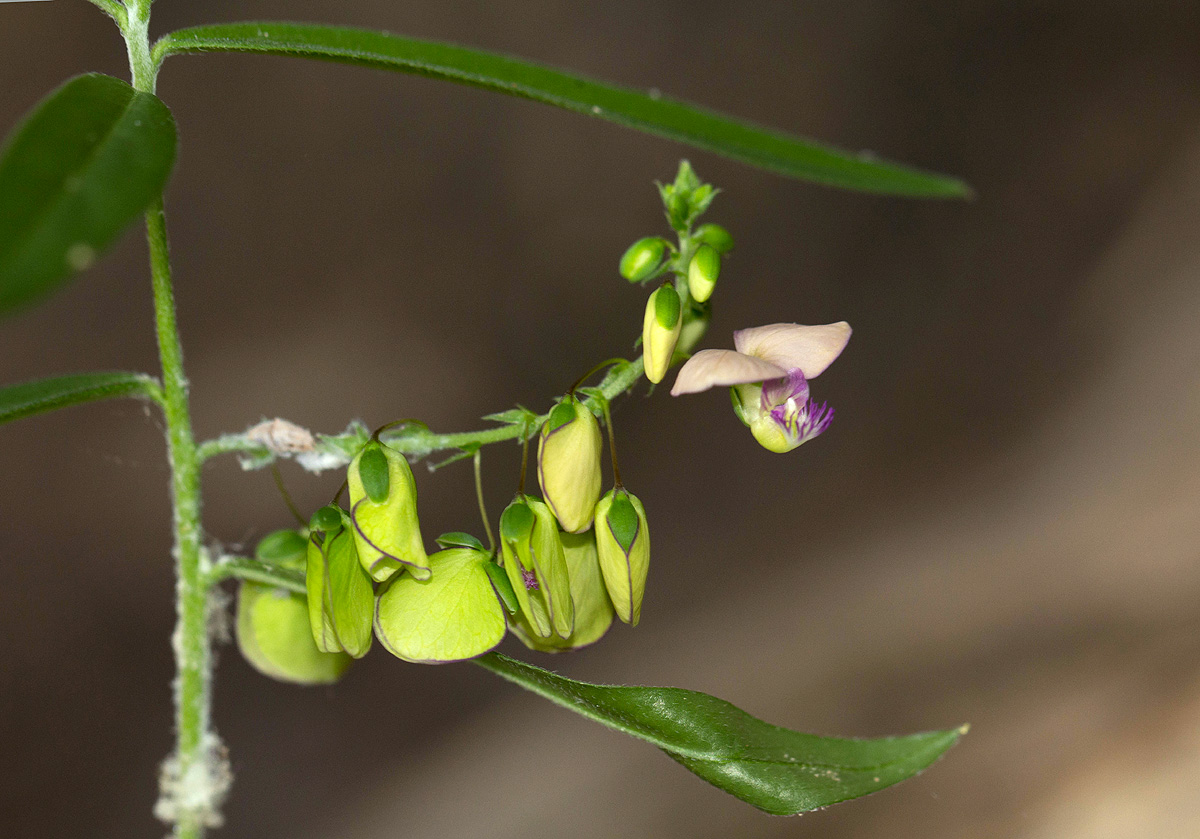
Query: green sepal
326, 520
516, 522
622, 521
716, 237
341, 599
282, 547
739, 394
562, 414
458, 539
452, 616
503, 587
373, 472
624, 561
274, 637
667, 306
387, 534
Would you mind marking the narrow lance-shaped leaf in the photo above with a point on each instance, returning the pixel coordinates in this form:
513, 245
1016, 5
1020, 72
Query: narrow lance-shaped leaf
30, 398
778, 770
788, 155
83, 165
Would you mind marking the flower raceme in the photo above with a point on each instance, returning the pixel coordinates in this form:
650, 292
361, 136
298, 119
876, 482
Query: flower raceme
769, 373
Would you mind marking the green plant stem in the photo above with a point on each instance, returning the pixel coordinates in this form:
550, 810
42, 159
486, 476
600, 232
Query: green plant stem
241, 568
112, 8
415, 441
193, 655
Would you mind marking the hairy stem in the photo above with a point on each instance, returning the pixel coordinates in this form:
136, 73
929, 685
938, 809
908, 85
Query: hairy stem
414, 441
192, 786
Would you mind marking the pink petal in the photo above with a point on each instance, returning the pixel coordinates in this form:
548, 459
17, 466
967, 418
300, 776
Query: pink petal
710, 368
791, 345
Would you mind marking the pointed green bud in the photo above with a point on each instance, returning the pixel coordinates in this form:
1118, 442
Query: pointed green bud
593, 609
273, 635
703, 271
533, 557
660, 331
283, 547
716, 237
569, 464
643, 258
623, 543
454, 615
387, 532
686, 179
341, 600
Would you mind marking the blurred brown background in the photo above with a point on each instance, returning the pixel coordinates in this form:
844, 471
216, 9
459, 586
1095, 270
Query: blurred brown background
1001, 526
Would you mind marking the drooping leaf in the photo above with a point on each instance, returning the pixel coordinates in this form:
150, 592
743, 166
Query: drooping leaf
29, 398
83, 165
788, 155
778, 770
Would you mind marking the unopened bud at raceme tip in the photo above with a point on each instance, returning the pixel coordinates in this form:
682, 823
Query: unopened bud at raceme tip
703, 271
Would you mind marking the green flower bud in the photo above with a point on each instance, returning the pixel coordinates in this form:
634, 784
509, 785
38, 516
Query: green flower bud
454, 615
383, 510
643, 258
703, 271
536, 565
716, 237
623, 543
328, 519
283, 547
569, 464
660, 331
274, 637
593, 609
341, 599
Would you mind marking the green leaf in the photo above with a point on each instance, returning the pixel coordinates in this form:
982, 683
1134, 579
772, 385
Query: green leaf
778, 770
84, 164
788, 155
29, 398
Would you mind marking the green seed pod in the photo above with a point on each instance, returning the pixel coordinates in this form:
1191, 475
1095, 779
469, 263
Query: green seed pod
274, 636
623, 543
454, 615
534, 561
643, 258
716, 237
569, 464
593, 609
283, 547
383, 510
341, 600
703, 271
660, 331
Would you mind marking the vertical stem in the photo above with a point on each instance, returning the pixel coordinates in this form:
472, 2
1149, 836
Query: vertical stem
192, 785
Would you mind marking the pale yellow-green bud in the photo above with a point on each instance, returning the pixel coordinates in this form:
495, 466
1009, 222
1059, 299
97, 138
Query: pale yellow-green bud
452, 616
623, 544
703, 271
274, 636
593, 609
660, 331
569, 464
533, 557
383, 511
